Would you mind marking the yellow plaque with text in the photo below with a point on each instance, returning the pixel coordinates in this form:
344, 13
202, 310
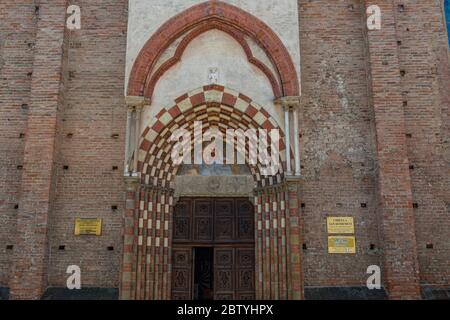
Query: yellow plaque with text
340, 225
88, 227
340, 244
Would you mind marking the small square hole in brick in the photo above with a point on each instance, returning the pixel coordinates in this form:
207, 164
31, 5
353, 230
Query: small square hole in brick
411, 167
305, 247
415, 205
66, 167
372, 247
62, 248
115, 136
402, 73
9, 247
25, 107
409, 135
22, 135
303, 205
70, 135
111, 248
19, 167
115, 168
114, 207
430, 246
401, 7
363, 205
16, 206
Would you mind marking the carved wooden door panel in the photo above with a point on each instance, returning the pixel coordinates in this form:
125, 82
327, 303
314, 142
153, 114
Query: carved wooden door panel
182, 221
245, 221
234, 273
182, 274
245, 273
203, 221
224, 220
225, 225
224, 282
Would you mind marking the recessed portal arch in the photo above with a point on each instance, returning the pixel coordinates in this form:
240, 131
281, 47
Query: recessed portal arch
148, 257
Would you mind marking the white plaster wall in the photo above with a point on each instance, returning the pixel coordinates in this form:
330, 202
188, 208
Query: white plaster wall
146, 16
213, 49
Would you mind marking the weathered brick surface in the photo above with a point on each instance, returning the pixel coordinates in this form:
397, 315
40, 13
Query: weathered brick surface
94, 112
369, 136
338, 145
425, 89
395, 202
17, 32
28, 278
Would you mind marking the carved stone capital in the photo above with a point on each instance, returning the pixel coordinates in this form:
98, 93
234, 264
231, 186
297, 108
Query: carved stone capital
289, 102
132, 183
293, 183
135, 102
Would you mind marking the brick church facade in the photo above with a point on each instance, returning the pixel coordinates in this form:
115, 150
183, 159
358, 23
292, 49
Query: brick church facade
88, 115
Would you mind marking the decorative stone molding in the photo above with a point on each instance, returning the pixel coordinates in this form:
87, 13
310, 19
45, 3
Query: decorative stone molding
223, 186
137, 101
131, 183
290, 102
221, 14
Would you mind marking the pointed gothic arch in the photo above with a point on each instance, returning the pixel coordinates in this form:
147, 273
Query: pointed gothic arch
221, 16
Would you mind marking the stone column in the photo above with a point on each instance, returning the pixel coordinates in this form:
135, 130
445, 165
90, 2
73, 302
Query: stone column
134, 117
128, 142
138, 112
287, 132
297, 143
291, 105
132, 221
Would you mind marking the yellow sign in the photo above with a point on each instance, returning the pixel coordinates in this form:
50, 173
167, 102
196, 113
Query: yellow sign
346, 245
340, 225
88, 227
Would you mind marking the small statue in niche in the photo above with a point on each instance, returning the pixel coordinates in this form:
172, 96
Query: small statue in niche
213, 75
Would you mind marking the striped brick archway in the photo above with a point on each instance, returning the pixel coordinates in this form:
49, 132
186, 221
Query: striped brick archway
214, 106
146, 272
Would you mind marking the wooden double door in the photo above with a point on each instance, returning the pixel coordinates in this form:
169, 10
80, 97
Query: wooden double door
213, 249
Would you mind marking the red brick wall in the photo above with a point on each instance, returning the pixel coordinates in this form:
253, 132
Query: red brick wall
395, 205
31, 253
338, 152
17, 37
425, 88
94, 111
344, 130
